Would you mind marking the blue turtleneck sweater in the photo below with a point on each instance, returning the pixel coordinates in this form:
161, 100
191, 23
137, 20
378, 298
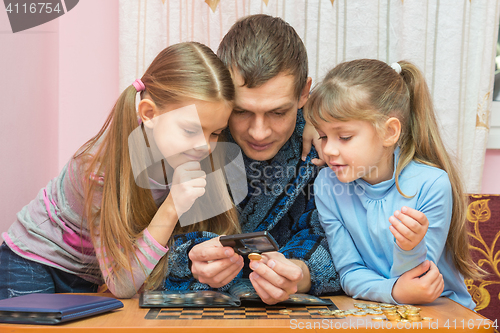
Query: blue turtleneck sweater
355, 217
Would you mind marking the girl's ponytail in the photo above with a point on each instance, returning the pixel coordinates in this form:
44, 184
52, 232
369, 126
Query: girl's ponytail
422, 143
117, 219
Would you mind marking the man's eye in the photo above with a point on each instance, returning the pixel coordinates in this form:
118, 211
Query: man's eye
216, 134
238, 111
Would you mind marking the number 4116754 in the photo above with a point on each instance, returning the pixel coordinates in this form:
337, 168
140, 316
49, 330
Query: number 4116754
34, 8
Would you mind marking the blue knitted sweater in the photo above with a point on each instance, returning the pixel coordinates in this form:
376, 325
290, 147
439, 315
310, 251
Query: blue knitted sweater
280, 200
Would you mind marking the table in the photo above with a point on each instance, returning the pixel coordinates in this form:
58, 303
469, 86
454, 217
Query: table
447, 315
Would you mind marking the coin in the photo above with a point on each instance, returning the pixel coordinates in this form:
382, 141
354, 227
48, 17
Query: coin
285, 311
359, 313
254, 256
385, 305
393, 316
414, 317
360, 305
427, 318
325, 312
378, 318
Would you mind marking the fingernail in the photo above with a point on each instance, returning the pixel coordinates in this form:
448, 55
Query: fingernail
227, 253
271, 264
233, 259
396, 213
303, 158
255, 275
404, 209
255, 264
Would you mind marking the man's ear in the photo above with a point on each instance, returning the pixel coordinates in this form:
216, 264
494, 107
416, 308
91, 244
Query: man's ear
304, 95
147, 111
392, 131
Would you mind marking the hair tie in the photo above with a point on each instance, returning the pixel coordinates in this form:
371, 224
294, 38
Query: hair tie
139, 86
397, 67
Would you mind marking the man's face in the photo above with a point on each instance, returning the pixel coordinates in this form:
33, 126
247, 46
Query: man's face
264, 117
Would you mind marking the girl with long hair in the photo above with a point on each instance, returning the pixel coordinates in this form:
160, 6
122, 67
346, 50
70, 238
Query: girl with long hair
391, 202
99, 221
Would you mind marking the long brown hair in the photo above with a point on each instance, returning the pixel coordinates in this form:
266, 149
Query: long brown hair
370, 90
181, 71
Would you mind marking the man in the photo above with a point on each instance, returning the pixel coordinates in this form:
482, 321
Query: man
268, 63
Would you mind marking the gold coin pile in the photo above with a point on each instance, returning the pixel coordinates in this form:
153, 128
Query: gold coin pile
392, 312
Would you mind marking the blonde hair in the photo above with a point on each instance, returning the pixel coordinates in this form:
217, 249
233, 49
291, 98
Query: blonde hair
370, 90
181, 71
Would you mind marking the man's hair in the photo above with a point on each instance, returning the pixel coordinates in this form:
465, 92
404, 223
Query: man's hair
259, 47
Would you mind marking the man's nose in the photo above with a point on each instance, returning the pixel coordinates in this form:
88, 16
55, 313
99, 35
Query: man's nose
259, 129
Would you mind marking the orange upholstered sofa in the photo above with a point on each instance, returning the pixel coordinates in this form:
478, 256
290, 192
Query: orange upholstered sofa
484, 218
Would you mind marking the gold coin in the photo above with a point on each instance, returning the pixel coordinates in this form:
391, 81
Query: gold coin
414, 317
351, 311
385, 305
359, 313
372, 306
404, 320
393, 317
285, 311
402, 314
360, 305
325, 312
254, 256
378, 318
427, 318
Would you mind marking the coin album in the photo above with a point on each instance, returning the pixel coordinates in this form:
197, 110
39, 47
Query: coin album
53, 308
241, 292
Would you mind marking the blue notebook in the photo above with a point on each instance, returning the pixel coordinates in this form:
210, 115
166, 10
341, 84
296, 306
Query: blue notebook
53, 308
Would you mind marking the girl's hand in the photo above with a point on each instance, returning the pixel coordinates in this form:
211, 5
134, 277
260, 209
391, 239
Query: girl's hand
408, 227
188, 184
309, 137
420, 285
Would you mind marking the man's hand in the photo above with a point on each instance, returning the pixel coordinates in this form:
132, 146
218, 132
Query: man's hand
311, 137
420, 285
408, 227
275, 277
214, 264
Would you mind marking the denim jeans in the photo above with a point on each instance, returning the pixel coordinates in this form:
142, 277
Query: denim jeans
19, 276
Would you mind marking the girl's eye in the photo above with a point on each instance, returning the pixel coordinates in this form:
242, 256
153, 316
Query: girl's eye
322, 137
345, 138
188, 132
216, 134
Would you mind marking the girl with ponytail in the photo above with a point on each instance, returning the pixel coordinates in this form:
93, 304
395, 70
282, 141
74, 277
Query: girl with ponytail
391, 202
100, 221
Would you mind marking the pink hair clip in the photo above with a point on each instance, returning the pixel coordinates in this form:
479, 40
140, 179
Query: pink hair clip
139, 86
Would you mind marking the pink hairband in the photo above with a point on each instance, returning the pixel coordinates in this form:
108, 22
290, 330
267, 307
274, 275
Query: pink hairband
139, 86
